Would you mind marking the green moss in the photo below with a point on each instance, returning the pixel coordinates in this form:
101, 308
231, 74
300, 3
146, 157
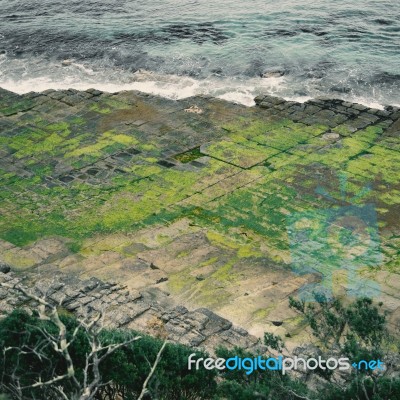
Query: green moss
146, 147
248, 251
249, 128
75, 246
344, 130
47, 146
221, 240
16, 106
99, 108
180, 281
241, 205
20, 261
188, 156
19, 235
61, 128
283, 138
107, 140
369, 134
112, 148
244, 155
262, 313
107, 105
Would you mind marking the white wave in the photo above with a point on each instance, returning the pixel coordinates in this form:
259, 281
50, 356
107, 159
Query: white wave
170, 86
19, 77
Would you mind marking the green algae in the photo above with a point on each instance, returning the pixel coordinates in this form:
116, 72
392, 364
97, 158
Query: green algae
259, 172
61, 128
240, 155
344, 130
189, 156
103, 144
107, 106
16, 107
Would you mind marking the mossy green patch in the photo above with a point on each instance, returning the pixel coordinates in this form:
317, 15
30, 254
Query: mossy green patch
242, 155
108, 140
16, 106
284, 137
188, 156
260, 170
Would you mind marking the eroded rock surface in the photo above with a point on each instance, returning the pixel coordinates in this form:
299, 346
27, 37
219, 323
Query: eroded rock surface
232, 209
149, 311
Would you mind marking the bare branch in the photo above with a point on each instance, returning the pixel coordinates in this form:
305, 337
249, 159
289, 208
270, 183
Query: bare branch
61, 342
144, 389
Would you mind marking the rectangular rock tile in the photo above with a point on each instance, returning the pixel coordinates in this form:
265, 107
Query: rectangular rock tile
238, 154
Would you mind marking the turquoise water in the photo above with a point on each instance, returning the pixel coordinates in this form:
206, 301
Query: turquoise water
304, 49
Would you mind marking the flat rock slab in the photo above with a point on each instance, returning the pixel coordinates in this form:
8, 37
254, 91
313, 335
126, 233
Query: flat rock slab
232, 209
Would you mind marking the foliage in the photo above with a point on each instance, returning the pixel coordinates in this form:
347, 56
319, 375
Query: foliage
273, 341
237, 385
357, 331
126, 369
337, 325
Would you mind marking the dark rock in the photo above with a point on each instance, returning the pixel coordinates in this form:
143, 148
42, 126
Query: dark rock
66, 178
340, 89
259, 99
195, 328
4, 268
90, 285
48, 91
166, 164
180, 310
240, 331
72, 100
359, 107
94, 92
215, 322
273, 73
57, 95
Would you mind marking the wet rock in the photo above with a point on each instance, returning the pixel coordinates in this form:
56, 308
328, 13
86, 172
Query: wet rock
340, 89
57, 95
73, 100
273, 73
94, 92
259, 99
66, 63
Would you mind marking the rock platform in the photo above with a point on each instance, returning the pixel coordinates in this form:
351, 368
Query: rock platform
201, 203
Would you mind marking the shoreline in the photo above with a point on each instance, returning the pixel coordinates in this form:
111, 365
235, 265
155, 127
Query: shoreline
178, 87
256, 99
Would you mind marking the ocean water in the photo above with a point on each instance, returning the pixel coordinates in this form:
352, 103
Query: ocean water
303, 48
